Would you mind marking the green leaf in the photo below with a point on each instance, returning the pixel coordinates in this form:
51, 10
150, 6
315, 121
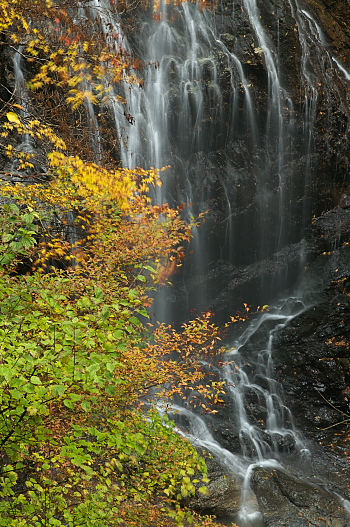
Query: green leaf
68, 403
111, 366
75, 397
16, 394
135, 321
35, 380
7, 258
99, 294
58, 389
86, 406
143, 312
93, 368
7, 237
150, 268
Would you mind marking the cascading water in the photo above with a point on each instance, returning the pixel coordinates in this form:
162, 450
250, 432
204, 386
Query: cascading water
266, 436
232, 150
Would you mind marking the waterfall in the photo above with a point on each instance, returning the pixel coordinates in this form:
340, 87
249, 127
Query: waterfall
234, 147
216, 103
241, 144
319, 74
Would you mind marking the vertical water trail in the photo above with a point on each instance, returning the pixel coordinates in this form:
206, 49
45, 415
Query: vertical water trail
198, 433
342, 69
22, 98
20, 83
94, 130
264, 438
236, 69
318, 74
181, 96
276, 129
101, 11
309, 36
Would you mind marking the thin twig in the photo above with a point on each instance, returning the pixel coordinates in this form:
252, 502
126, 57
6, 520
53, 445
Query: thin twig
335, 408
336, 424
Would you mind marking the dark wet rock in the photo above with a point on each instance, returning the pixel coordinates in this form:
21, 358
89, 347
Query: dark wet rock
232, 286
223, 498
344, 202
333, 228
288, 501
311, 358
225, 434
224, 494
285, 443
311, 354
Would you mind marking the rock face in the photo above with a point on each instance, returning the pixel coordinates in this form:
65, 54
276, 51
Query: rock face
250, 283
311, 354
224, 497
287, 501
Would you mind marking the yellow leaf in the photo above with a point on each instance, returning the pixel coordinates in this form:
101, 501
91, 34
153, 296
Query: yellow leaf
13, 117
203, 490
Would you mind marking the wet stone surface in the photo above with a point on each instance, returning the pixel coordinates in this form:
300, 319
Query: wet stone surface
288, 501
311, 358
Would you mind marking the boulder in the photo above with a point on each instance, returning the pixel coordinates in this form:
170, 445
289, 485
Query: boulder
288, 501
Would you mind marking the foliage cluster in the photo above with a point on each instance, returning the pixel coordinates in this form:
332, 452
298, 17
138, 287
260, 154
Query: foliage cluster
76, 266
75, 449
75, 55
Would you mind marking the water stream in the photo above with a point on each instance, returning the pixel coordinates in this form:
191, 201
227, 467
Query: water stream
198, 111
256, 412
22, 97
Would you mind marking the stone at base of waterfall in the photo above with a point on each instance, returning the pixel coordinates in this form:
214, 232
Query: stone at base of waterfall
287, 501
223, 498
